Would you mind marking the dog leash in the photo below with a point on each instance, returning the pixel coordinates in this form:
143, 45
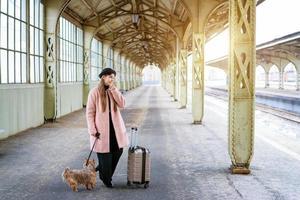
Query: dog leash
90, 153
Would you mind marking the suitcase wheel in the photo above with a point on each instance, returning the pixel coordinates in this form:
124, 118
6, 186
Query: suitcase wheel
129, 183
146, 185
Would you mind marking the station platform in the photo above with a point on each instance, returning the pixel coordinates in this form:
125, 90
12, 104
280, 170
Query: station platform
188, 161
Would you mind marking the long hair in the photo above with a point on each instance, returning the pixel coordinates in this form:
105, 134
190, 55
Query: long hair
102, 91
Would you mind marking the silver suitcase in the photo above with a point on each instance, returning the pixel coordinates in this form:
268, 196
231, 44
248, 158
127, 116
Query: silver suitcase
138, 171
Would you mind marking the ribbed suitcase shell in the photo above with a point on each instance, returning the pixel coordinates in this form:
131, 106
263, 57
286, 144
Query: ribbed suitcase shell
135, 165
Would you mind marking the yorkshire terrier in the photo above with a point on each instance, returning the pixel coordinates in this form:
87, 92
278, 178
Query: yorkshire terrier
85, 176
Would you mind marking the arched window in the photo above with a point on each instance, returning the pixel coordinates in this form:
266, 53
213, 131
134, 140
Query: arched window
70, 51
96, 59
15, 25
289, 76
274, 76
110, 58
260, 76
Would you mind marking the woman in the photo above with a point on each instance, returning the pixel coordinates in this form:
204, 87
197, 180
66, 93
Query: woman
105, 124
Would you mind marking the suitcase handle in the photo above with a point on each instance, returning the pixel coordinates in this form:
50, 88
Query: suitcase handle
133, 140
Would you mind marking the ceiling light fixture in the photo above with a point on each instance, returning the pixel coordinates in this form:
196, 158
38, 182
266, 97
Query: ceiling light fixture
135, 20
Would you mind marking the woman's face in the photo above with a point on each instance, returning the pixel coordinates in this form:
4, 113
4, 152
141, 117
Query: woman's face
108, 79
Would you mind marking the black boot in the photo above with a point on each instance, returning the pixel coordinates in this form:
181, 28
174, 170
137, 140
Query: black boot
100, 176
108, 184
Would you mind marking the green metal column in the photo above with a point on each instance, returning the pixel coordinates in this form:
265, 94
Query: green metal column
267, 82
173, 74
198, 77
281, 78
52, 14
122, 73
135, 76
163, 78
169, 80
183, 78
127, 75
88, 33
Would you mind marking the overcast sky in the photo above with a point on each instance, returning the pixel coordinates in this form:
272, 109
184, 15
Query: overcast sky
274, 18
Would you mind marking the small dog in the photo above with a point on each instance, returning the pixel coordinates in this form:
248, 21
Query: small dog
85, 176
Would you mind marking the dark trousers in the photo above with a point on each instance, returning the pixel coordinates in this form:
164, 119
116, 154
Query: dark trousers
107, 164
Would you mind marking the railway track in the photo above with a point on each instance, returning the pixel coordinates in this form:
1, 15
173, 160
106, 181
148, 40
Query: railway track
223, 95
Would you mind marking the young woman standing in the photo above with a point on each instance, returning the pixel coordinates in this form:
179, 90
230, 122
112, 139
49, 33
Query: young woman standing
106, 125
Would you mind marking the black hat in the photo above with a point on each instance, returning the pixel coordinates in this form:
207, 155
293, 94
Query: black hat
107, 71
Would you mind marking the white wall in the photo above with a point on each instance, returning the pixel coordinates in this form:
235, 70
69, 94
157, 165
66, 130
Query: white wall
69, 98
21, 107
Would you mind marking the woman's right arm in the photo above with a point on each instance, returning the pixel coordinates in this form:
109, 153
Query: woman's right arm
91, 113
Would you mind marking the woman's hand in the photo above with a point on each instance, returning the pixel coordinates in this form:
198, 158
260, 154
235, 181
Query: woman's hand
96, 135
112, 86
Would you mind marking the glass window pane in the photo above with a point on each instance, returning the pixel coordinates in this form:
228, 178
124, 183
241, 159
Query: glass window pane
67, 51
18, 67
31, 14
41, 70
18, 35
3, 65
64, 28
37, 69
3, 31
23, 37
93, 59
11, 67
67, 30
80, 55
41, 16
80, 37
66, 72
71, 52
31, 40
100, 61
4, 6
94, 43
63, 69
71, 71
18, 9
62, 49
41, 43
31, 69
60, 71
60, 26
74, 72
11, 7
23, 65
36, 13
36, 41
11, 29
23, 11
72, 34
79, 72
